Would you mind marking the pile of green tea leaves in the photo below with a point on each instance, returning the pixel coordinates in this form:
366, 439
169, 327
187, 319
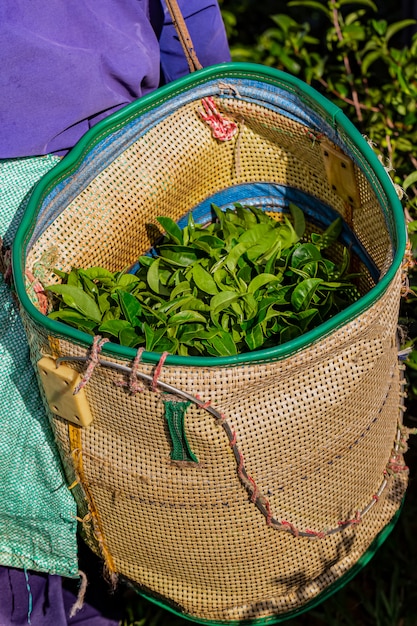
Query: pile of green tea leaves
243, 282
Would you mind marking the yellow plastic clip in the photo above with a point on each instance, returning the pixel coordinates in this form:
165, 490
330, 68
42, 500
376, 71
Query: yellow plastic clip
59, 384
340, 174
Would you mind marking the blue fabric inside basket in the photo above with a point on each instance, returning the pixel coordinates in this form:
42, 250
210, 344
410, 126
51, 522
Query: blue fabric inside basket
271, 197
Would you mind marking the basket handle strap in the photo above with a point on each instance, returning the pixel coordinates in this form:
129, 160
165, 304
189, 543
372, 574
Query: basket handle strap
184, 35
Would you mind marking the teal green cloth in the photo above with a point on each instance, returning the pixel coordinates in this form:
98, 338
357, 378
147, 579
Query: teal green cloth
37, 511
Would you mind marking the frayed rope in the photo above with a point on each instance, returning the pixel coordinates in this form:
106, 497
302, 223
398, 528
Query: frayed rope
79, 603
133, 383
93, 361
157, 372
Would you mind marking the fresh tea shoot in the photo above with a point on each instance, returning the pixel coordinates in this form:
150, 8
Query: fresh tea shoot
243, 282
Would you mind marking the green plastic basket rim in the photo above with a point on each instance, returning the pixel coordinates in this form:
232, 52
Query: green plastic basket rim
114, 122
322, 597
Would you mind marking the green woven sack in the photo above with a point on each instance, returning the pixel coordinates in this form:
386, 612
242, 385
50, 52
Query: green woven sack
37, 512
233, 489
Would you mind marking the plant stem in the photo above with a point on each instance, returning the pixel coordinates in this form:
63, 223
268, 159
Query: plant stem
346, 61
347, 100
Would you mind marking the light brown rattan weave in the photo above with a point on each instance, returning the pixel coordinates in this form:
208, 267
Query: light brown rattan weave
317, 429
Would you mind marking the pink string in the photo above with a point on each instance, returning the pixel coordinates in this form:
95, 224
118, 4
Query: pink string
221, 128
157, 371
268, 513
134, 385
292, 528
38, 289
315, 533
395, 465
255, 492
93, 361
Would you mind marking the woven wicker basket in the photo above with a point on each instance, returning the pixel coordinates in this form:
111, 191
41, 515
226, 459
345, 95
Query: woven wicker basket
241, 488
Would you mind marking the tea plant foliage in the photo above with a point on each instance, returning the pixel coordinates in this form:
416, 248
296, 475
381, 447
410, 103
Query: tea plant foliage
361, 54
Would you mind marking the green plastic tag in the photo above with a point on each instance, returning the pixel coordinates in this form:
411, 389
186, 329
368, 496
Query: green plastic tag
175, 415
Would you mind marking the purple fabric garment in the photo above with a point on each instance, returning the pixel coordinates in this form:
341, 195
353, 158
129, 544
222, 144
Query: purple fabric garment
69, 64
42, 600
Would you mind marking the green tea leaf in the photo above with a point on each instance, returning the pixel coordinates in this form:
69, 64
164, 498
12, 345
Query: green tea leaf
304, 318
304, 253
221, 344
204, 280
113, 327
113, 313
312, 269
179, 255
288, 333
198, 304
175, 303
145, 261
288, 236
73, 278
152, 337
256, 234
103, 302
242, 282
129, 337
190, 332
210, 240
183, 287
218, 213
222, 300
261, 280
62, 275
100, 274
172, 229
165, 275
329, 236
76, 298
127, 280
237, 308
298, 219
153, 276
255, 338
244, 274
74, 319
250, 306
234, 255
88, 285
166, 344
130, 306
303, 293
282, 294
183, 317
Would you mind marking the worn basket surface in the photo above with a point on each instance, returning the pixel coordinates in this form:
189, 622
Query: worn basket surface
290, 468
